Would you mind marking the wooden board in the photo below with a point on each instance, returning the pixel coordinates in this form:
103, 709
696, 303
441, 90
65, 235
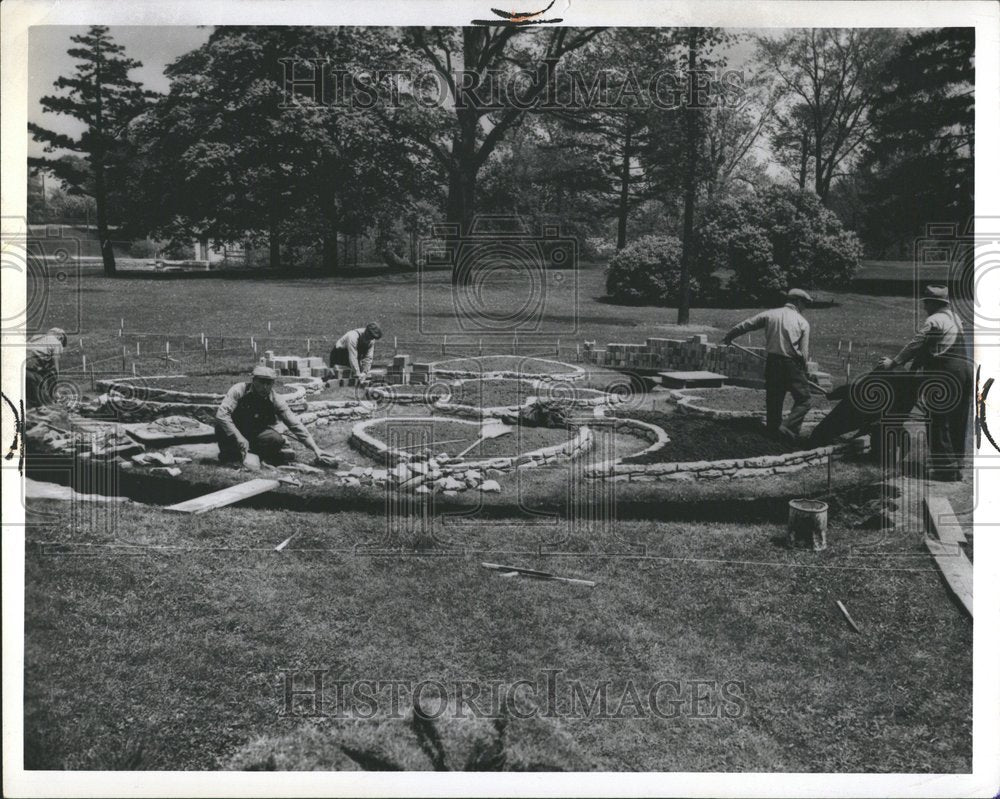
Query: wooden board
227, 496
942, 520
956, 569
692, 379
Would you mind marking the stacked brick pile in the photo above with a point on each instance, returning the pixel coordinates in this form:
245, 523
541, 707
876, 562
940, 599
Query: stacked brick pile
310, 366
693, 354
421, 373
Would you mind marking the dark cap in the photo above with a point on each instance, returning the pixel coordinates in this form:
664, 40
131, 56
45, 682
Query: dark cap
372, 330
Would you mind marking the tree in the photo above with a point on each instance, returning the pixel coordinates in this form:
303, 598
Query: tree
102, 96
828, 78
678, 139
919, 154
465, 129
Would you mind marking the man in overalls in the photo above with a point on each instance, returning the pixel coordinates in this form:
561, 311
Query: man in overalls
247, 418
939, 351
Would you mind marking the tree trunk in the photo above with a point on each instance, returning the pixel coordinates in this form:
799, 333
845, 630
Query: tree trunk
690, 176
804, 160
626, 180
103, 236
331, 260
274, 246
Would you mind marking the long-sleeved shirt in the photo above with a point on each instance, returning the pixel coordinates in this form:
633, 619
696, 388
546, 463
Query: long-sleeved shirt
260, 412
937, 336
786, 331
349, 342
43, 353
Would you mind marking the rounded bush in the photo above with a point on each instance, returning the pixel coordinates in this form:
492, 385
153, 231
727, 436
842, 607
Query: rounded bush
785, 238
647, 271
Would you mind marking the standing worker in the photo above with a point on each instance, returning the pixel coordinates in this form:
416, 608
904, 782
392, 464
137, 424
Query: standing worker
786, 332
356, 349
41, 368
940, 353
246, 420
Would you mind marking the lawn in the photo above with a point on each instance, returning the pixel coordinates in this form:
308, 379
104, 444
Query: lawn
172, 658
419, 313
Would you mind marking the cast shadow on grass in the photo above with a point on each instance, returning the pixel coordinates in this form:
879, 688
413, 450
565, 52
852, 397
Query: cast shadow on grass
727, 303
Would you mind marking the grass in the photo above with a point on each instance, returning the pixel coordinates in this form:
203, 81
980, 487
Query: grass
171, 659
416, 312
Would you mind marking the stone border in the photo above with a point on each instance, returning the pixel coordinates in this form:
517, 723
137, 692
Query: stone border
655, 434
688, 403
732, 469
577, 373
308, 385
603, 399
377, 450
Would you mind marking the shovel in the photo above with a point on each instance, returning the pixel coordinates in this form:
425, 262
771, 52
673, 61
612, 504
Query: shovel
816, 386
494, 430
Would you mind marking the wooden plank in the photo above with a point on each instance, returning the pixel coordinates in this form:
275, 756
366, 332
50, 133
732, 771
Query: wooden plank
942, 520
227, 496
956, 569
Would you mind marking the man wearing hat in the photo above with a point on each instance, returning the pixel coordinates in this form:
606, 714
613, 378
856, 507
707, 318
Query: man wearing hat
247, 418
42, 365
786, 333
356, 349
940, 352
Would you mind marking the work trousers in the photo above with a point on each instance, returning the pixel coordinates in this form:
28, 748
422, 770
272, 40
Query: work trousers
948, 410
783, 375
268, 444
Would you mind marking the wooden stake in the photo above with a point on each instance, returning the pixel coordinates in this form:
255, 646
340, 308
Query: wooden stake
444, 345
134, 373
309, 345
848, 617
93, 378
269, 326
124, 365
395, 346
557, 347
85, 364
137, 347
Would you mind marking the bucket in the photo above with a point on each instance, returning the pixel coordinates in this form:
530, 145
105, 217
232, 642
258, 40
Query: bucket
807, 524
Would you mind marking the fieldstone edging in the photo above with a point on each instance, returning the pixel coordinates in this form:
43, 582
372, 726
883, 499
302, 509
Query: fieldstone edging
575, 373
759, 466
377, 450
689, 404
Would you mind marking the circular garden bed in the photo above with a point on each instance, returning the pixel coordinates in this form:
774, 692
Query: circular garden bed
436, 435
737, 402
512, 366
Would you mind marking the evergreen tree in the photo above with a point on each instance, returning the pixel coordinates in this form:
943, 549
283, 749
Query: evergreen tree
101, 95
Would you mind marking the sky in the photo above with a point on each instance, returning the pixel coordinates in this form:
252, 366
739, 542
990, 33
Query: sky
155, 47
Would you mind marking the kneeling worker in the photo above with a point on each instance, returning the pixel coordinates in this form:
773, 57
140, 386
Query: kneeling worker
42, 366
786, 333
246, 420
356, 349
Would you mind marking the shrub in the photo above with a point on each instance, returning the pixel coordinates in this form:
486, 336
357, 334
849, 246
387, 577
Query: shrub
647, 271
787, 238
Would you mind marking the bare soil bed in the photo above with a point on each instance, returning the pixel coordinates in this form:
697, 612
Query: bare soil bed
332, 391
522, 439
503, 363
492, 393
737, 398
696, 439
